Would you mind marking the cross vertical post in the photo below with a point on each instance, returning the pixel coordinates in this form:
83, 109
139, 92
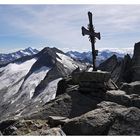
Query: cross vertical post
92, 37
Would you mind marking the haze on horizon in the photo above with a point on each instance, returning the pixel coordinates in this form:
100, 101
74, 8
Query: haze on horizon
38, 26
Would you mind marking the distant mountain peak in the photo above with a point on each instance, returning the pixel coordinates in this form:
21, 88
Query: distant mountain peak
6, 58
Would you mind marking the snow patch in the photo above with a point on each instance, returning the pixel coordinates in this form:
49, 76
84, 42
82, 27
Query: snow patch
49, 93
13, 75
51, 90
66, 61
33, 80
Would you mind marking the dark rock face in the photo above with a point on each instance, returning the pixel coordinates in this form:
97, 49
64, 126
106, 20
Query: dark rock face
109, 64
69, 105
127, 122
136, 63
136, 56
124, 70
120, 69
47, 57
65, 84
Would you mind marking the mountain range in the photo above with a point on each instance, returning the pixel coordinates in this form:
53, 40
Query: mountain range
5, 58
85, 57
103, 55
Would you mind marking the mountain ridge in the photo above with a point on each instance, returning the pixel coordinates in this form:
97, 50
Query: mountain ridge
9, 57
32, 80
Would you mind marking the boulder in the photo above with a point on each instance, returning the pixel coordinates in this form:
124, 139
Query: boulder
64, 84
126, 122
54, 121
118, 96
108, 119
111, 106
96, 122
122, 71
131, 88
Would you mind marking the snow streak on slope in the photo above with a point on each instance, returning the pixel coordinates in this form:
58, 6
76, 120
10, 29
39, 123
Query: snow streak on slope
12, 76
49, 92
33, 80
66, 61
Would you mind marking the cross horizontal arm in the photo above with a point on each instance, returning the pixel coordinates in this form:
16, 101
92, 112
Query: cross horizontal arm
87, 32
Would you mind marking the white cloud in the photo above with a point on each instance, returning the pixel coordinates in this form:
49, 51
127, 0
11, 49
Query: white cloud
61, 24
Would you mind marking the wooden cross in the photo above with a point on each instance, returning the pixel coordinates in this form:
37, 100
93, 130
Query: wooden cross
92, 38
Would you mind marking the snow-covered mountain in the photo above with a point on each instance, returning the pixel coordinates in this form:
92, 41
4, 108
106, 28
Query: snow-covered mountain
29, 82
102, 55
6, 58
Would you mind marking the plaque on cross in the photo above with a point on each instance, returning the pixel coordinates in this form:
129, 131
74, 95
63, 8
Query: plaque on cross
92, 37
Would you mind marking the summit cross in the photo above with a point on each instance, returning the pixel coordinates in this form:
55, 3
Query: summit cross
92, 38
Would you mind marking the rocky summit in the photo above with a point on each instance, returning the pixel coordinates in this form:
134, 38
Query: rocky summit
124, 70
69, 98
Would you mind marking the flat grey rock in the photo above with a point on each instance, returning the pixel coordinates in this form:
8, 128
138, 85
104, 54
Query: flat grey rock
96, 76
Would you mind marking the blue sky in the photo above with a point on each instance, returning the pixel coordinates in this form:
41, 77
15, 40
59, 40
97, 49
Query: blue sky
38, 26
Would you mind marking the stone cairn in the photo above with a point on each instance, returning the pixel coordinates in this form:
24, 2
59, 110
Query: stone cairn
95, 82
